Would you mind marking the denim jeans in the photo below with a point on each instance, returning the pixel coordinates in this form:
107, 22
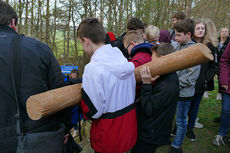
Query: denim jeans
193, 110
181, 122
225, 115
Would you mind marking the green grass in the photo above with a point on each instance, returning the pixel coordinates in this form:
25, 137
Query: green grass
209, 109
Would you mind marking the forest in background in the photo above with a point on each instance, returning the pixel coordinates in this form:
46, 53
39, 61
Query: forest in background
55, 21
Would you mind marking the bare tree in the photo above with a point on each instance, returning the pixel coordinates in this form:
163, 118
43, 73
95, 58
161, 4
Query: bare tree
26, 17
32, 18
47, 21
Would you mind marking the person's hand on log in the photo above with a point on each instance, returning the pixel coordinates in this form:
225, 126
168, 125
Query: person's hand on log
146, 75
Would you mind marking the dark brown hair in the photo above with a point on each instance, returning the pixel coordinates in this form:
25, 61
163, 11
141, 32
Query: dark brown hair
74, 71
163, 49
7, 13
134, 24
185, 26
179, 15
91, 28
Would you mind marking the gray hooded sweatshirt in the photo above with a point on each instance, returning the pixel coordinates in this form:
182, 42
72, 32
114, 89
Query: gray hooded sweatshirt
187, 77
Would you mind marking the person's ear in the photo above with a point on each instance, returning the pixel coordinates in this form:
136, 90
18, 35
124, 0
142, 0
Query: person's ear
13, 25
83, 39
86, 40
189, 34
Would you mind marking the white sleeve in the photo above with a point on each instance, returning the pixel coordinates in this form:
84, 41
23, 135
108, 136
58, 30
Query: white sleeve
92, 84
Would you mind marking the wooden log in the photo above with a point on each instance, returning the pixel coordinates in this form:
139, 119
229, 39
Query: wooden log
185, 58
52, 101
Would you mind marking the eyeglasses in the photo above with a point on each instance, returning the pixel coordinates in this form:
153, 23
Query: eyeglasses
130, 44
127, 46
153, 41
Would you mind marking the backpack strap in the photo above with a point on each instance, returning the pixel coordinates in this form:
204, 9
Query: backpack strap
16, 77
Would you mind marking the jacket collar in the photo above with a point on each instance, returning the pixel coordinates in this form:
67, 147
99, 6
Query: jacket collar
7, 29
143, 47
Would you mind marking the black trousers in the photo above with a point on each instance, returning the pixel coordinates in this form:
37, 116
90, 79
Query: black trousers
144, 147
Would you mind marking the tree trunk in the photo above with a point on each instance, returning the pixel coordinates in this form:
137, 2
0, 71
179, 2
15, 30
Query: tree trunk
32, 19
38, 20
68, 30
109, 16
55, 28
20, 10
101, 11
189, 8
47, 21
120, 19
26, 18
74, 34
64, 42
95, 8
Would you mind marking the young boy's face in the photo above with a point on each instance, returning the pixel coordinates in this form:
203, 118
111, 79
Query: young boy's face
182, 38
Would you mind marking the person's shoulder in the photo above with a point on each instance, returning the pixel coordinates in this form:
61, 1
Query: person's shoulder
31, 39
93, 71
94, 68
34, 42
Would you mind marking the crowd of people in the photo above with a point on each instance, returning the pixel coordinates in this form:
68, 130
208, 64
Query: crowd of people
126, 115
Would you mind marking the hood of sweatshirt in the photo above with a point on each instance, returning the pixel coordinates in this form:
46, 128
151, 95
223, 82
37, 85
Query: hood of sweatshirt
114, 61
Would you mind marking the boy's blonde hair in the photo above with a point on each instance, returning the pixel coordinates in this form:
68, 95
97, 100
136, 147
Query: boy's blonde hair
152, 33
